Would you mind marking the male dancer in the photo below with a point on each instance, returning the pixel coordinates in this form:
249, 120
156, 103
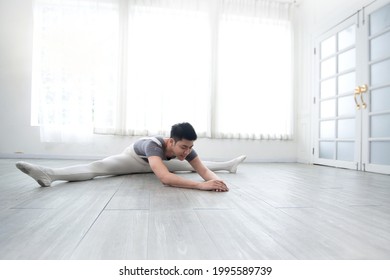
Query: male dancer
149, 154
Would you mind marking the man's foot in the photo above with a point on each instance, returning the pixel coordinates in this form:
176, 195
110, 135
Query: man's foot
236, 162
36, 172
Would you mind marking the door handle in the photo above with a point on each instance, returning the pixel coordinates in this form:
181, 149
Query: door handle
363, 89
359, 90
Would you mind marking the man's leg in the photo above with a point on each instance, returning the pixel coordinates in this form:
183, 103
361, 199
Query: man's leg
230, 166
125, 163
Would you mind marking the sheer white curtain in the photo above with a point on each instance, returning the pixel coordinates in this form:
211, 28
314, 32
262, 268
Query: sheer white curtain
135, 67
75, 62
166, 68
254, 96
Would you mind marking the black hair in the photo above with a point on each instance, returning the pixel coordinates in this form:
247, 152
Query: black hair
183, 131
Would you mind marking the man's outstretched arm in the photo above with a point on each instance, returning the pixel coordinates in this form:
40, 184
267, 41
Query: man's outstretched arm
167, 178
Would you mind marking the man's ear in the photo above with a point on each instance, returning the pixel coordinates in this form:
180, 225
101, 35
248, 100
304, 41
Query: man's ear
171, 141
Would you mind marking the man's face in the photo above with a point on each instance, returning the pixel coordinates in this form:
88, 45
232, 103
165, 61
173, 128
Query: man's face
182, 148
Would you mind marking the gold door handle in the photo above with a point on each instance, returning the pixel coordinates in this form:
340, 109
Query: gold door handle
363, 89
357, 92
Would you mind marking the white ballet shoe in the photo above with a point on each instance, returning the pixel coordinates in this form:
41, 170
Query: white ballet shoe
36, 172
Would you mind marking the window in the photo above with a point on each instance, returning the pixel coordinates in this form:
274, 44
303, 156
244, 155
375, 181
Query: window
132, 67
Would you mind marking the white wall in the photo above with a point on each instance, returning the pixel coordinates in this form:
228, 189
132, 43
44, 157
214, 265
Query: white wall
313, 17
17, 136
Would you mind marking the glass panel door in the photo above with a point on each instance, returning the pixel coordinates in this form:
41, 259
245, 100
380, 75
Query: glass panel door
336, 118
376, 118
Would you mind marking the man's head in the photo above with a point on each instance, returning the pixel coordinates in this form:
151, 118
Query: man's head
182, 140
182, 131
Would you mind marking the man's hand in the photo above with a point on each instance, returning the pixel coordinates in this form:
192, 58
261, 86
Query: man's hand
213, 185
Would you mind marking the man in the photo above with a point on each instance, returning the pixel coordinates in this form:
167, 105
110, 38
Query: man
162, 156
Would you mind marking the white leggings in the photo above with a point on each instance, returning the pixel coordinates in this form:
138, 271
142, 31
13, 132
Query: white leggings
128, 162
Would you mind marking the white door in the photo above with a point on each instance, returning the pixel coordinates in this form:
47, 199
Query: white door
376, 115
352, 100
336, 116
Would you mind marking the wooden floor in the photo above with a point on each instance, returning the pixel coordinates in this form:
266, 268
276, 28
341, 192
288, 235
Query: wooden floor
273, 211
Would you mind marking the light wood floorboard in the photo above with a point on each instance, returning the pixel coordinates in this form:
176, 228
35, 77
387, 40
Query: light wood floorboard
272, 211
